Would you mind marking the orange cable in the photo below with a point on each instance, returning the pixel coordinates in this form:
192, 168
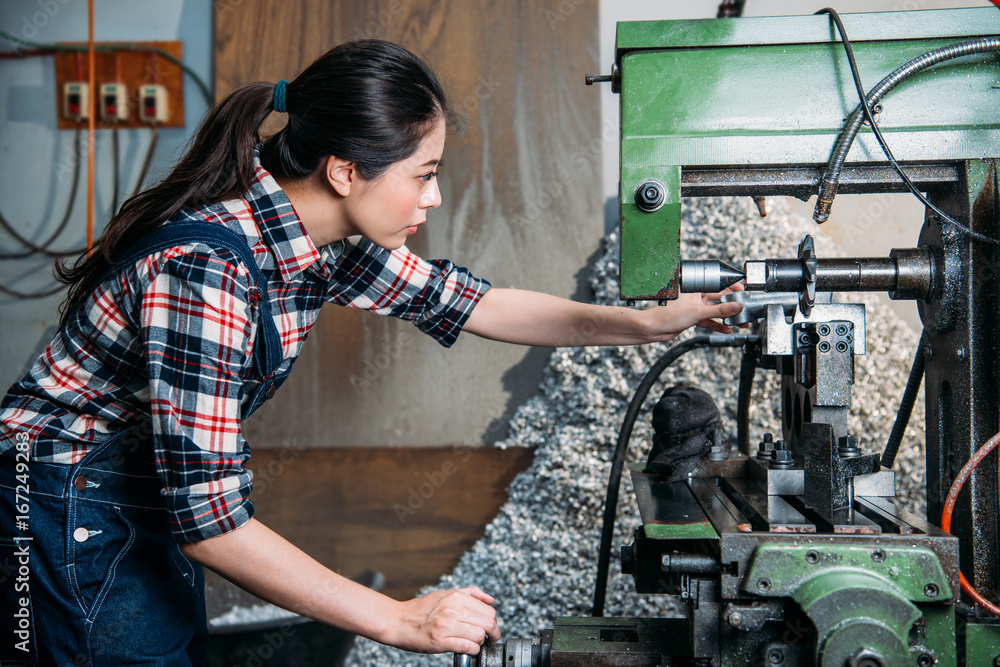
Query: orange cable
90, 126
949, 507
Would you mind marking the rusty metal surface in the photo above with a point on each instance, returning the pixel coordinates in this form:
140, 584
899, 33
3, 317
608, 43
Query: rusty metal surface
802, 181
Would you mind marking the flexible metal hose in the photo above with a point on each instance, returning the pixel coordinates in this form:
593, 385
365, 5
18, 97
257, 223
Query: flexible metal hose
831, 177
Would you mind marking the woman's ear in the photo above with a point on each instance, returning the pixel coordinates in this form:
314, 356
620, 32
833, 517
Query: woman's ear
340, 174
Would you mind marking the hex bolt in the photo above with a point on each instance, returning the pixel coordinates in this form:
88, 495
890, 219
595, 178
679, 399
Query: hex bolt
735, 619
764, 585
931, 590
847, 447
650, 195
782, 456
878, 556
866, 657
812, 557
765, 450
775, 656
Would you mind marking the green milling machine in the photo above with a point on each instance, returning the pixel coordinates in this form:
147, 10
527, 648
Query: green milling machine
788, 549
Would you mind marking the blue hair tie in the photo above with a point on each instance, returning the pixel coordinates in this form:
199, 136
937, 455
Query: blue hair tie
278, 101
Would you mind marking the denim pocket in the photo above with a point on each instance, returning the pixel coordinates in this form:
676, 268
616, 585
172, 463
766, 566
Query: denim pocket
184, 566
100, 536
17, 625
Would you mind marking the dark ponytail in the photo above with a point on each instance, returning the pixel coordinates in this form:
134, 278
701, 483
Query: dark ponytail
370, 102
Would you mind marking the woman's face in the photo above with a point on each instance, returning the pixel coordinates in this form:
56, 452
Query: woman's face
389, 209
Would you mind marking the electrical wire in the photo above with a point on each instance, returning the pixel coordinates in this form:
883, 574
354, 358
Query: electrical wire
625, 434
32, 295
153, 138
830, 178
43, 249
949, 508
121, 46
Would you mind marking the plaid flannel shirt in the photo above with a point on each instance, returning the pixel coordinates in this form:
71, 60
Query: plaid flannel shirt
168, 343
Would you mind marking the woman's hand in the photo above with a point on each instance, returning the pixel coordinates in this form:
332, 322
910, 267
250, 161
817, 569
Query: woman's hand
688, 310
455, 621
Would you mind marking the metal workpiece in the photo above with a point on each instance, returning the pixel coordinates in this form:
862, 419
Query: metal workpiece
530, 652
828, 476
905, 274
779, 332
709, 275
755, 305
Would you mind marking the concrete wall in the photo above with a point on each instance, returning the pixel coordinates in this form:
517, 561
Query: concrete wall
36, 160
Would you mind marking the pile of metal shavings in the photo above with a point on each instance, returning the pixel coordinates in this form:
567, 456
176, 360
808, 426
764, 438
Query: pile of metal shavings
538, 557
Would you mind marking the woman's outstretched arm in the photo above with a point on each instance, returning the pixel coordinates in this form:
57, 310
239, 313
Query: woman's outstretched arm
260, 561
533, 318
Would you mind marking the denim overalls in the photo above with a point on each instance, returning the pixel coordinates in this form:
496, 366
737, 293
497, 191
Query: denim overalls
93, 576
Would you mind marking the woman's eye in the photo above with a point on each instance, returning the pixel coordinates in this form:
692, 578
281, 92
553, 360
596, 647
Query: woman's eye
427, 177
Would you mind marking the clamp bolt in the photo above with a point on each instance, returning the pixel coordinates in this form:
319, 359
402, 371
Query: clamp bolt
782, 456
765, 450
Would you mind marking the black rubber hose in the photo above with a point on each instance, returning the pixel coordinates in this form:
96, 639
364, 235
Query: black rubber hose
831, 177
748, 369
905, 405
621, 447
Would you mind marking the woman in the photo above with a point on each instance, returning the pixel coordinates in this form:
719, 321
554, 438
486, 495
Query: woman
130, 419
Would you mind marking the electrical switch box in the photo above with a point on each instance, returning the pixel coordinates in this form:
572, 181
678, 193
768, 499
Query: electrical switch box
129, 66
113, 102
153, 104
76, 101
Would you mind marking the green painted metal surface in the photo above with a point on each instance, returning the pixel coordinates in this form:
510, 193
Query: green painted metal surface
650, 242
912, 571
776, 91
936, 636
863, 596
982, 645
698, 530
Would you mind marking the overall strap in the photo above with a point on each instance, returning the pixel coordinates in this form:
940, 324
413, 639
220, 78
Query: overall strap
267, 350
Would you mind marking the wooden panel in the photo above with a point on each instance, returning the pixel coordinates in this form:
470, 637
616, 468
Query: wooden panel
409, 513
521, 205
130, 66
